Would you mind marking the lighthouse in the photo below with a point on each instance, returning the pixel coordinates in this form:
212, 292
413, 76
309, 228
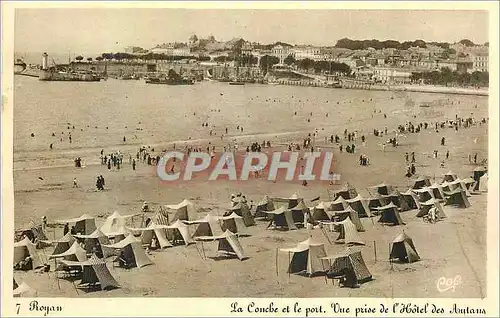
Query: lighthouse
45, 58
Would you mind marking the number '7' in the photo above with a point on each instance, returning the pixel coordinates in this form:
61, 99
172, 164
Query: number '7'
18, 308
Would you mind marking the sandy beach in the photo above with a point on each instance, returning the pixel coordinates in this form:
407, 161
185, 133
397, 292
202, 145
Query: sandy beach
455, 246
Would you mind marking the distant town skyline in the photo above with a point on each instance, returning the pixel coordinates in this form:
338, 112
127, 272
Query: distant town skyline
94, 31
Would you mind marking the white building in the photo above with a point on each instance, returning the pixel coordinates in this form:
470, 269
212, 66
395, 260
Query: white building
391, 75
307, 52
480, 62
281, 52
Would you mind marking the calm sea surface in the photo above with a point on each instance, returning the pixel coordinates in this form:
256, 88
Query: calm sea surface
103, 113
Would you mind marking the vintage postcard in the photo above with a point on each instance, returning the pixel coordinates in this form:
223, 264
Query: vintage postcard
218, 159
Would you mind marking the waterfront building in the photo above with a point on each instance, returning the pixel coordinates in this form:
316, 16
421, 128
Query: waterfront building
281, 52
391, 75
480, 62
307, 52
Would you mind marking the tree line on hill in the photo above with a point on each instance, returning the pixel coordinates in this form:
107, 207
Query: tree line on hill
447, 77
346, 43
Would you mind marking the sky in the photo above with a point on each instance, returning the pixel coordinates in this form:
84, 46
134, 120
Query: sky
111, 29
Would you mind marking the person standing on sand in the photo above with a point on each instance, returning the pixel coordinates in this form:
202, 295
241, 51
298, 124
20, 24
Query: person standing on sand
442, 141
447, 154
133, 164
66, 229
413, 157
75, 184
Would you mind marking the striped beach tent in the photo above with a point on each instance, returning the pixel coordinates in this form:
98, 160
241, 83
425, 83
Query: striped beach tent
403, 249
178, 232
351, 265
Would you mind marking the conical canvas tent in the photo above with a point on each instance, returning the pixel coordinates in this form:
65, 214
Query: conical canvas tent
338, 205
24, 249
24, 290
397, 199
420, 183
373, 203
293, 200
298, 212
350, 264
243, 210
93, 243
449, 176
64, 243
178, 233
114, 223
265, 205
208, 226
360, 205
131, 253
478, 173
228, 245
15, 283
390, 215
153, 231
183, 211
94, 273
483, 183
74, 253
347, 192
321, 212
457, 198
428, 205
382, 189
281, 218
306, 258
349, 213
348, 233
84, 224
411, 199
235, 224
403, 249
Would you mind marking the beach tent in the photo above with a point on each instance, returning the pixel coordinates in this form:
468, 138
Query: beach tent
383, 199
390, 215
459, 184
235, 224
64, 243
299, 211
115, 222
437, 191
360, 205
411, 199
477, 174
229, 245
242, 210
265, 205
403, 249
347, 192
449, 176
425, 207
306, 258
93, 243
119, 234
349, 213
350, 264
483, 183
396, 198
382, 189
322, 213
339, 204
24, 249
373, 203
84, 224
294, 200
74, 253
348, 233
131, 253
15, 283
457, 198
94, 273
24, 290
183, 211
421, 182
208, 226
153, 231
424, 194
281, 218
178, 233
